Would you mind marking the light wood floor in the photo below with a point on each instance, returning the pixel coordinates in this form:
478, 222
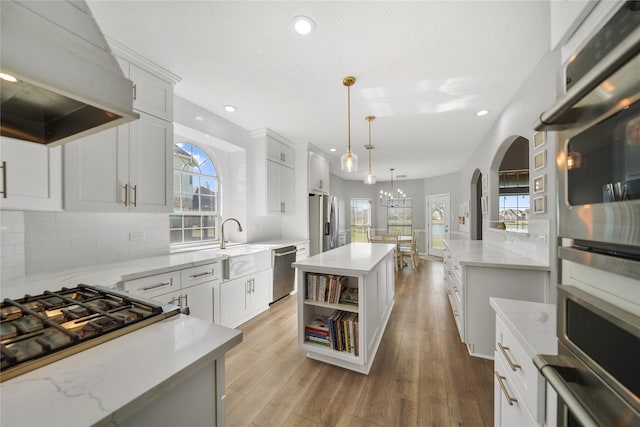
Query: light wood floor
422, 374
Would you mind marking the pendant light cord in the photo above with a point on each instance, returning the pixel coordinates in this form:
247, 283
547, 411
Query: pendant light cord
349, 119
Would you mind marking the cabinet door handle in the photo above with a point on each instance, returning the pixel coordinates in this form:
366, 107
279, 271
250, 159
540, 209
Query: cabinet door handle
135, 196
126, 194
205, 273
135, 91
253, 286
281, 207
510, 400
158, 285
514, 366
4, 179
321, 185
186, 300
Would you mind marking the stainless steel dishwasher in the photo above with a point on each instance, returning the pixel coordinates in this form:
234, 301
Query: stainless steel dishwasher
283, 273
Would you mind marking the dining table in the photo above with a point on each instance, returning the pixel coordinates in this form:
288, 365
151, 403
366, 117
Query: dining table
402, 240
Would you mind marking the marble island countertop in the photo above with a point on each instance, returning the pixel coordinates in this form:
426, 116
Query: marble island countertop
104, 385
112, 274
479, 253
351, 259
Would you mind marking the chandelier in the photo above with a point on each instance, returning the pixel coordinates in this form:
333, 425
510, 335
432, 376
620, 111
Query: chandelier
349, 160
369, 177
392, 199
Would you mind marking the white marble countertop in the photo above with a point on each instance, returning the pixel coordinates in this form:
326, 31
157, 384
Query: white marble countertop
351, 259
479, 253
107, 383
112, 274
533, 324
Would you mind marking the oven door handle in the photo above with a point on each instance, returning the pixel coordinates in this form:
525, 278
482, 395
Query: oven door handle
562, 115
551, 367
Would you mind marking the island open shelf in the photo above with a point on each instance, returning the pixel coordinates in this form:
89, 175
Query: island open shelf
344, 303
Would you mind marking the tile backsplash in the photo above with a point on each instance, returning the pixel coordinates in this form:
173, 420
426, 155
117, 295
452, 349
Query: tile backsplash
40, 242
534, 244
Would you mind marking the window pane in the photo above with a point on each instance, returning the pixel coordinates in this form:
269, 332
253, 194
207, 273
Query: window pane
175, 221
175, 236
195, 188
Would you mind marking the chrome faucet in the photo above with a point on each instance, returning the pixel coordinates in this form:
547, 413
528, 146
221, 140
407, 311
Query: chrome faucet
222, 246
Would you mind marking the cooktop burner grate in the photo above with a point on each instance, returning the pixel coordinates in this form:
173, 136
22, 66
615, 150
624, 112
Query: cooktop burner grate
37, 330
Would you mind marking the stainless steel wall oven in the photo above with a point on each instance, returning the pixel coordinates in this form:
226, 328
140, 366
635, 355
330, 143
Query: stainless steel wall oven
598, 132
596, 373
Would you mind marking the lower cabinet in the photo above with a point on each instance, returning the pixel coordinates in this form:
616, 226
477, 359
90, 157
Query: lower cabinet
508, 407
523, 330
244, 297
469, 287
195, 290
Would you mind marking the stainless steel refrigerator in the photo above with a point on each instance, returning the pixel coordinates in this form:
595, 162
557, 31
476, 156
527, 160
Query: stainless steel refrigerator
323, 223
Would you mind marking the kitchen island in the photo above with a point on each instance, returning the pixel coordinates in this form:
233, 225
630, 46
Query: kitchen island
344, 303
167, 373
475, 271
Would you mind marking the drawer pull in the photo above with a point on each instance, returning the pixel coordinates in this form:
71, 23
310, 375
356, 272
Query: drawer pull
158, 285
205, 273
513, 366
510, 400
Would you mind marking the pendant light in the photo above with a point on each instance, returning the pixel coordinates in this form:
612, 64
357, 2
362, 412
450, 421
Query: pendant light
369, 177
349, 160
393, 199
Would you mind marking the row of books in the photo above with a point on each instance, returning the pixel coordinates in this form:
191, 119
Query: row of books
330, 288
338, 331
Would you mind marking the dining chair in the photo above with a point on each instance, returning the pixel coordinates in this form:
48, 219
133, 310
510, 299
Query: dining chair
397, 256
411, 251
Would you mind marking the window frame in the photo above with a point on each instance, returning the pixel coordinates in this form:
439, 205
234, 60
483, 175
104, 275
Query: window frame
208, 219
404, 229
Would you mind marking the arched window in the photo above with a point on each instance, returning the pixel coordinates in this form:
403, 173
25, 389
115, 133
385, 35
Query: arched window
195, 195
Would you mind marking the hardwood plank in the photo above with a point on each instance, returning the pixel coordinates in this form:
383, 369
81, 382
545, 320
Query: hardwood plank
422, 374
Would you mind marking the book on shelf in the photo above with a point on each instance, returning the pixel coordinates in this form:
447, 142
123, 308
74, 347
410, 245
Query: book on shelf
317, 331
343, 332
327, 288
349, 296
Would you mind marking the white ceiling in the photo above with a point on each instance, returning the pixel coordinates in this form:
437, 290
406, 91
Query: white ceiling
423, 68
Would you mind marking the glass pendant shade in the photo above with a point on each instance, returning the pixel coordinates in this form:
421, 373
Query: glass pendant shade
369, 177
349, 160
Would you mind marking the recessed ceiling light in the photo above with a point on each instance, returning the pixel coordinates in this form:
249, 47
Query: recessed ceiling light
303, 25
8, 77
482, 113
199, 118
333, 150
230, 108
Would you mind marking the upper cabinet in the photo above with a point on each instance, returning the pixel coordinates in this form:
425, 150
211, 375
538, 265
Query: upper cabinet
30, 175
151, 94
123, 169
280, 153
318, 173
274, 163
128, 168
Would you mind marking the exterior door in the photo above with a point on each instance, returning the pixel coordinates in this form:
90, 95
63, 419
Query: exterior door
437, 223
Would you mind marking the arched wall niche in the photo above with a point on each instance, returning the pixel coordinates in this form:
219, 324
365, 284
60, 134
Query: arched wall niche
513, 154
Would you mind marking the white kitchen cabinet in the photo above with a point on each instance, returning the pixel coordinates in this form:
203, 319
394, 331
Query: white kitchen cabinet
151, 93
273, 173
280, 153
318, 173
523, 330
201, 291
280, 184
470, 282
244, 297
508, 408
196, 290
122, 169
31, 176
